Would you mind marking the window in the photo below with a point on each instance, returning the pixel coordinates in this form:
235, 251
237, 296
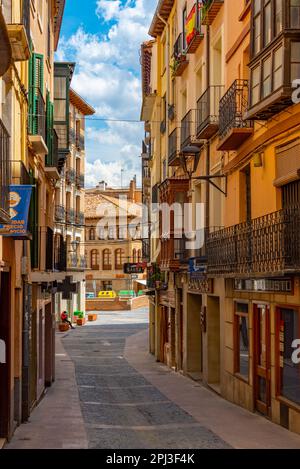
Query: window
94, 259
295, 14
289, 372
92, 234
278, 17
139, 256
278, 68
267, 23
134, 258
107, 286
266, 87
119, 259
257, 26
106, 259
184, 18
295, 60
255, 85
241, 325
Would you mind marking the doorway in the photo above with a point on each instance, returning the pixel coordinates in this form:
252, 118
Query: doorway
5, 372
213, 342
193, 337
262, 362
49, 345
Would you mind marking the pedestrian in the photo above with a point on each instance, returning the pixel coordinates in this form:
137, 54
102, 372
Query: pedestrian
65, 319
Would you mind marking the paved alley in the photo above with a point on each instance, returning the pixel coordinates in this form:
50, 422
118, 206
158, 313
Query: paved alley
110, 393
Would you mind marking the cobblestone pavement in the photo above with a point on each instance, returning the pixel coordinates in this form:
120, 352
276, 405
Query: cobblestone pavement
120, 407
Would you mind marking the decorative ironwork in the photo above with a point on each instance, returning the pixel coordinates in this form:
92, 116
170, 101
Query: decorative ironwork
264, 246
70, 176
60, 213
4, 168
70, 216
208, 109
79, 181
79, 219
173, 146
233, 106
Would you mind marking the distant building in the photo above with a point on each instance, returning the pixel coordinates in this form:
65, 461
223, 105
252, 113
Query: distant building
108, 245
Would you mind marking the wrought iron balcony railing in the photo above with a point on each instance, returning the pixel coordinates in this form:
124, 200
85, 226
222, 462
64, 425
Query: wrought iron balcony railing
80, 142
60, 213
79, 219
269, 245
188, 130
173, 147
80, 181
5, 169
70, 216
76, 261
210, 10
208, 111
233, 106
70, 176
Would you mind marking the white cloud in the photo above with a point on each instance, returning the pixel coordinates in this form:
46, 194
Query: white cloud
107, 75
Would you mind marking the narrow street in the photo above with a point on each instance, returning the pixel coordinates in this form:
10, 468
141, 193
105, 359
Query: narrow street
110, 393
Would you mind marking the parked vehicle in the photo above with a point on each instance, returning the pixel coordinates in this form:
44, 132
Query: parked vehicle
107, 294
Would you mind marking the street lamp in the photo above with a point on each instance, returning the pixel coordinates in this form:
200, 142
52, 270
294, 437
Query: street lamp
189, 158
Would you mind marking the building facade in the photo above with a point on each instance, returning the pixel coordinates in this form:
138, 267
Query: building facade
222, 117
110, 241
69, 250
29, 36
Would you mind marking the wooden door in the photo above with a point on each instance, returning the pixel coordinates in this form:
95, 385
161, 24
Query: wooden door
262, 363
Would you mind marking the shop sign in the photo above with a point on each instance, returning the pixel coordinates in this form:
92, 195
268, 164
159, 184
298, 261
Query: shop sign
137, 268
269, 285
19, 202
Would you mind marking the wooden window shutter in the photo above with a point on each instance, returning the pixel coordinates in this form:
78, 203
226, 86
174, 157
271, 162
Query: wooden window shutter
287, 163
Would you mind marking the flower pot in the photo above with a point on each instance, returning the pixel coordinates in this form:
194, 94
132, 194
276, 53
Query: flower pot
63, 327
80, 322
92, 317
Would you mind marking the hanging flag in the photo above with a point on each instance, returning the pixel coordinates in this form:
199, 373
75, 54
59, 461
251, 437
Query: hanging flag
193, 23
19, 202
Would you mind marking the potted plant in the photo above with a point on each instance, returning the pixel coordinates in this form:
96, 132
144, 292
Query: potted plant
81, 318
92, 317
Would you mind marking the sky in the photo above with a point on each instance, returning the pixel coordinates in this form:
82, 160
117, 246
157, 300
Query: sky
103, 37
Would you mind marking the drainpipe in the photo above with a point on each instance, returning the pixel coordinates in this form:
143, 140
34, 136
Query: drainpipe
207, 217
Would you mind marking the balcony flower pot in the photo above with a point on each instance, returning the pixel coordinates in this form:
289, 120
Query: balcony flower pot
63, 327
92, 317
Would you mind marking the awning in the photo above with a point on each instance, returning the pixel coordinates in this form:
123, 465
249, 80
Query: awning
142, 282
5, 47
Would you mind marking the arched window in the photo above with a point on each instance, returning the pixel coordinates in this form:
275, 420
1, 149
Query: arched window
95, 259
119, 259
134, 259
92, 234
139, 259
106, 258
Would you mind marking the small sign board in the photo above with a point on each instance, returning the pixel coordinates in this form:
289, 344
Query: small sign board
137, 268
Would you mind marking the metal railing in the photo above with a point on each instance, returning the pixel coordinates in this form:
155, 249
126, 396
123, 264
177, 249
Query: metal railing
173, 145
70, 216
266, 245
70, 176
5, 168
80, 180
60, 213
208, 107
188, 127
79, 219
80, 142
179, 47
76, 261
233, 106
37, 115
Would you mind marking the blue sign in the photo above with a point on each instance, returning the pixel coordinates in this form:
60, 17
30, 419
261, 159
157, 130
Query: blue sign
19, 203
197, 265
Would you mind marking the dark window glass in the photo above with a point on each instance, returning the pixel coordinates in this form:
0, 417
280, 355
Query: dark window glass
289, 330
242, 339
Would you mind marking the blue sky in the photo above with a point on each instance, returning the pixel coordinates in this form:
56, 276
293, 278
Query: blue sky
103, 37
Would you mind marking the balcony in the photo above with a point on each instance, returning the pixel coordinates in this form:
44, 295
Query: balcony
79, 181
37, 122
208, 112
70, 216
234, 130
210, 11
4, 174
19, 35
70, 176
80, 142
174, 159
180, 61
5, 47
266, 246
76, 262
79, 219
188, 131
51, 167
193, 24
60, 213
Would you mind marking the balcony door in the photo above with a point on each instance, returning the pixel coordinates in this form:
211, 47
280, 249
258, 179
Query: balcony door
262, 363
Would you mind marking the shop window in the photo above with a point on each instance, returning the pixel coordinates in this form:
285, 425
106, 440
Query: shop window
241, 325
289, 375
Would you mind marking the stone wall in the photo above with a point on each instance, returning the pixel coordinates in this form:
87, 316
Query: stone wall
116, 304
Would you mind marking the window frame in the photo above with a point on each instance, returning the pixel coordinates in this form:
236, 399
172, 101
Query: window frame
236, 340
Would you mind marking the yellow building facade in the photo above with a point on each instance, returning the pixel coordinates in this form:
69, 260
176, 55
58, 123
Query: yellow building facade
221, 117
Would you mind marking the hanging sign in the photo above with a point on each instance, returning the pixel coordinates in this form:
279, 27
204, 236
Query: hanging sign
19, 203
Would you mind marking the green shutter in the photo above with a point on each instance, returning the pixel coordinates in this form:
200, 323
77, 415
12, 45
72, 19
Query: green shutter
36, 84
49, 126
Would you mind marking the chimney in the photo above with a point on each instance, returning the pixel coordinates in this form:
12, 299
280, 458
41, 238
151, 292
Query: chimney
132, 189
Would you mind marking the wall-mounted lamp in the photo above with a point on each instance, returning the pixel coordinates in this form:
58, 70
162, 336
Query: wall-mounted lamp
258, 159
